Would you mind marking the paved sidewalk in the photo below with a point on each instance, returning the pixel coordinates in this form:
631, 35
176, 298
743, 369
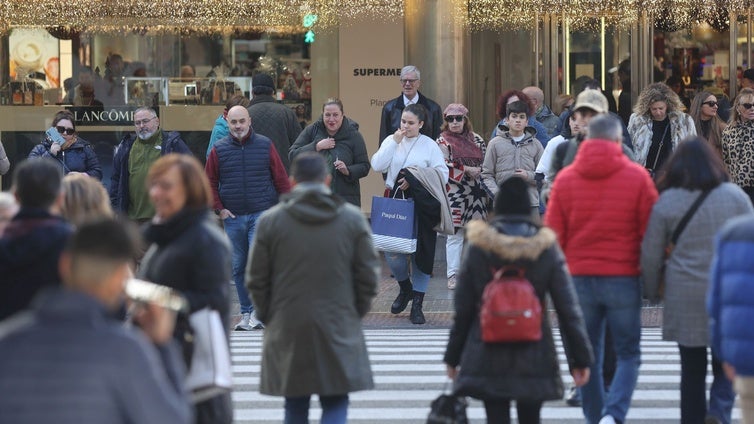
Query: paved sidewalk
438, 301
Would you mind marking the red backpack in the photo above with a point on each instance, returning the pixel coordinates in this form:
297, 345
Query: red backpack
510, 311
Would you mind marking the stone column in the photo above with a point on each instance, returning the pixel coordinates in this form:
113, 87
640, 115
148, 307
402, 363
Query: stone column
439, 46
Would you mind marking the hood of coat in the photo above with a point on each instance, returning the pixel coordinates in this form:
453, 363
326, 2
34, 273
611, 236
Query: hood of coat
504, 131
509, 247
598, 159
312, 203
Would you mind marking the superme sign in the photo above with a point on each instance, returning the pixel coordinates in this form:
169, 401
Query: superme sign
377, 72
114, 116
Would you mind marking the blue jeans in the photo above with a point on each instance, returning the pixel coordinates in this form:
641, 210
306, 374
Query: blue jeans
240, 231
334, 409
398, 263
694, 387
615, 302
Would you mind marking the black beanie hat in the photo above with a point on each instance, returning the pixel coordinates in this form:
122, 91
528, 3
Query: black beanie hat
513, 197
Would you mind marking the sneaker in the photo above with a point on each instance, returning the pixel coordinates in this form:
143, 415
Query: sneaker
255, 323
712, 420
608, 419
573, 398
452, 282
244, 324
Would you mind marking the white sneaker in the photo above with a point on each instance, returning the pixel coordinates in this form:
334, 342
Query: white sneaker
244, 324
607, 419
255, 323
452, 282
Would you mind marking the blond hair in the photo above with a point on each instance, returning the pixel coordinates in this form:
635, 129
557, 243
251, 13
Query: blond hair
84, 199
657, 92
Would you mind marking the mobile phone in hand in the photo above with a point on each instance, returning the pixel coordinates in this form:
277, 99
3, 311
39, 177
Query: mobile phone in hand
54, 136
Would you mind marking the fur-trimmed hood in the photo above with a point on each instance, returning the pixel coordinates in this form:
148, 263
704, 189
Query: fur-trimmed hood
509, 247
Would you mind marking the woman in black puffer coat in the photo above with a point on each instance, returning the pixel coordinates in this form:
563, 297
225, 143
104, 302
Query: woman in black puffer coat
189, 253
525, 372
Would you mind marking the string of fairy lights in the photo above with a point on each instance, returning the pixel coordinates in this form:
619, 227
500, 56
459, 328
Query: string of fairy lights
228, 16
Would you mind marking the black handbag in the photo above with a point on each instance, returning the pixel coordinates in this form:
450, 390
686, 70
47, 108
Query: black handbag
448, 409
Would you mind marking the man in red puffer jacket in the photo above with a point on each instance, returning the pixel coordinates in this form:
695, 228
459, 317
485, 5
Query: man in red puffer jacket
599, 207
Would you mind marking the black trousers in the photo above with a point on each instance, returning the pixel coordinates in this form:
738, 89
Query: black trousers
498, 411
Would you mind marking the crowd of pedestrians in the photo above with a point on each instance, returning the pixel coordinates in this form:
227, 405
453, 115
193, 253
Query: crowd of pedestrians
599, 208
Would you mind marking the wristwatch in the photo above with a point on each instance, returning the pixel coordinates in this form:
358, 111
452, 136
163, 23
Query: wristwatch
217, 212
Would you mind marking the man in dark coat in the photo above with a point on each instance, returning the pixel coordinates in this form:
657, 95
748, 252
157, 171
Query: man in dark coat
392, 110
32, 242
85, 366
128, 193
272, 119
312, 304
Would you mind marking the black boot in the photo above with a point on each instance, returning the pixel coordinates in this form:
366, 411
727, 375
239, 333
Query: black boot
401, 301
417, 316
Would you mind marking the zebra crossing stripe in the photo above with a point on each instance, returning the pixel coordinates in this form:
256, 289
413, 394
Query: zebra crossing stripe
409, 374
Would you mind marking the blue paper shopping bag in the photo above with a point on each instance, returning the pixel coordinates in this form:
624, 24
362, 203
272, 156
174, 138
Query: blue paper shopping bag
393, 225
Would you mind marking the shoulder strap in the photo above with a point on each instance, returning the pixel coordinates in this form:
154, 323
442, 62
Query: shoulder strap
686, 218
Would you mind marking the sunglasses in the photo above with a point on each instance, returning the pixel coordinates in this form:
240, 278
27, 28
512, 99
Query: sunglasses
710, 103
451, 118
747, 106
64, 130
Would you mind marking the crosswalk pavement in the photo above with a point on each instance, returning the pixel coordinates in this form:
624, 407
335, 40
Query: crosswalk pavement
409, 374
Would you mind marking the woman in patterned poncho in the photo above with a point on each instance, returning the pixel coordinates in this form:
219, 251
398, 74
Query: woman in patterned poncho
464, 153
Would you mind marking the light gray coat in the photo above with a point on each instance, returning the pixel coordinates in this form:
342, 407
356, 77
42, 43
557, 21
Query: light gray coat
685, 318
312, 275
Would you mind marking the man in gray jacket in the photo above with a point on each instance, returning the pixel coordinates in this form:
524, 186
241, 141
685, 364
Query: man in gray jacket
272, 119
68, 361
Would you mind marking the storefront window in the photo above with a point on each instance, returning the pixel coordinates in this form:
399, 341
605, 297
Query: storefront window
691, 60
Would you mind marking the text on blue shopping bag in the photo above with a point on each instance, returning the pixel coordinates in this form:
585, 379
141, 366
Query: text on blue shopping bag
393, 217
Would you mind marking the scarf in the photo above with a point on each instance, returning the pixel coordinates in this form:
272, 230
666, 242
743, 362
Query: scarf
463, 149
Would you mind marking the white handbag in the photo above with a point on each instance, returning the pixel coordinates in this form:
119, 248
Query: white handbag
210, 373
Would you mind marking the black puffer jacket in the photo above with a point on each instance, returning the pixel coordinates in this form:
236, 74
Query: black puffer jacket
78, 157
191, 254
523, 371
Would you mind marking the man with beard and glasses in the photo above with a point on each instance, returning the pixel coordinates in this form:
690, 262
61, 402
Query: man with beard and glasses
133, 157
246, 175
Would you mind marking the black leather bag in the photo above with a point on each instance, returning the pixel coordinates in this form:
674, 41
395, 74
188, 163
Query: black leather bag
448, 409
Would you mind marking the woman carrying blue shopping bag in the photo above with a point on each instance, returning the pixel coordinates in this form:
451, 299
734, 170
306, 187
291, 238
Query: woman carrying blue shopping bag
416, 169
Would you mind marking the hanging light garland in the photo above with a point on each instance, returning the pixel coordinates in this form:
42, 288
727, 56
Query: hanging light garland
190, 16
285, 16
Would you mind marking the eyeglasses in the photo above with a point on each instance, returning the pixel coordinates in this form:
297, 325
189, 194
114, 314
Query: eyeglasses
408, 81
64, 130
747, 106
451, 118
144, 121
710, 103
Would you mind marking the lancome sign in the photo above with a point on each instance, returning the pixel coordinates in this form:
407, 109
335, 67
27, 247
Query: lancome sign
111, 116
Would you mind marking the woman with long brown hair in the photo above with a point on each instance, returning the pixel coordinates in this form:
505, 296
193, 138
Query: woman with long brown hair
708, 124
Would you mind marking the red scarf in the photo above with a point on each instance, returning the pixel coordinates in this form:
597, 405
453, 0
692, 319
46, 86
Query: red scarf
463, 148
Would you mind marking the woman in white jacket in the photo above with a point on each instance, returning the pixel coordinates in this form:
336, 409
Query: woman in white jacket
407, 148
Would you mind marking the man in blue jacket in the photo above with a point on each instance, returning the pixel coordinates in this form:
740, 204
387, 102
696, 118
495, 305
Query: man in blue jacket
246, 176
68, 361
